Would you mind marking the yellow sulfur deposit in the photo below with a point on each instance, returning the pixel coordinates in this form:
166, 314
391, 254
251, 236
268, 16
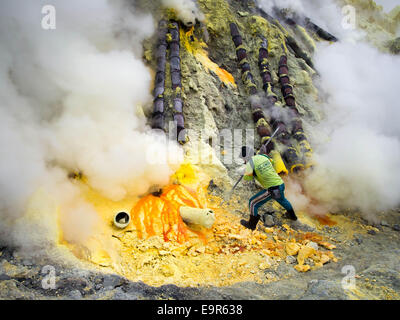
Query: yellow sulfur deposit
198, 49
186, 174
279, 165
306, 38
302, 268
292, 248
158, 248
275, 34
304, 253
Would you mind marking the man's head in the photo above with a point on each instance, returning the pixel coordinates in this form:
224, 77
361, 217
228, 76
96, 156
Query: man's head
246, 153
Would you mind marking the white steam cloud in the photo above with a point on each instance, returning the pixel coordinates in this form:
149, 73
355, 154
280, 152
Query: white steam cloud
68, 102
388, 5
357, 144
187, 10
359, 162
326, 14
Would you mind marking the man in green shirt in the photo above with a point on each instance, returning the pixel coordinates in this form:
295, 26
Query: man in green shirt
260, 167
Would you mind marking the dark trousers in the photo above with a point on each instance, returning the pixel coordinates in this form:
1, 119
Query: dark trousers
266, 195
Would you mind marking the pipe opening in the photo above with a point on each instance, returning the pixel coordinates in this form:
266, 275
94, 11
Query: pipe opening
122, 219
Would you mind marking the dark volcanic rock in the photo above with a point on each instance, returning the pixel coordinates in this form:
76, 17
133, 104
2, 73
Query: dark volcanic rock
324, 290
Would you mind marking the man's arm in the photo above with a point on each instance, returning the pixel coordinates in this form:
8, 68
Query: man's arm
248, 174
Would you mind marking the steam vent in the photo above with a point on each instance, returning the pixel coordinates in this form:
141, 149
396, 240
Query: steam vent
123, 126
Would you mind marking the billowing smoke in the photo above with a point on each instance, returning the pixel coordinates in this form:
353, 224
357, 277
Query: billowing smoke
71, 100
387, 4
324, 13
187, 10
357, 144
359, 161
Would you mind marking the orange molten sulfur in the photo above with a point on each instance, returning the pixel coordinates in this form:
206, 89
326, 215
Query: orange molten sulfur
160, 215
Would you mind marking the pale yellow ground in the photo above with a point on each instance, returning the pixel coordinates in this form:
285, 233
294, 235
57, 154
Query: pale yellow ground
229, 255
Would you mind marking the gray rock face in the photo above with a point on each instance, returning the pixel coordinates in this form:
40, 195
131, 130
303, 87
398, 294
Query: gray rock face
358, 239
291, 260
4, 277
383, 275
75, 295
119, 294
324, 290
268, 220
297, 225
384, 223
112, 281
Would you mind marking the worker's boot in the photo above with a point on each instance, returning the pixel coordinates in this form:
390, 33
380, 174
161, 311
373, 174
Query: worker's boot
291, 215
252, 223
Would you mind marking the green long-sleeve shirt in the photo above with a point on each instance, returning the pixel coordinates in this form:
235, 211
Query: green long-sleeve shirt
265, 172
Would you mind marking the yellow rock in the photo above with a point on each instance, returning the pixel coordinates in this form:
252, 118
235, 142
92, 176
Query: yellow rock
254, 241
267, 252
304, 253
324, 258
302, 268
201, 249
236, 236
292, 248
101, 257
327, 245
167, 270
260, 236
264, 266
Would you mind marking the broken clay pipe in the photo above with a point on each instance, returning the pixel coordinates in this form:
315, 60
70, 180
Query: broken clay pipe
198, 216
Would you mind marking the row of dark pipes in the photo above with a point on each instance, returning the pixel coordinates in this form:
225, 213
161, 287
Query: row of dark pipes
158, 116
295, 121
268, 88
168, 38
251, 87
262, 125
241, 55
290, 155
